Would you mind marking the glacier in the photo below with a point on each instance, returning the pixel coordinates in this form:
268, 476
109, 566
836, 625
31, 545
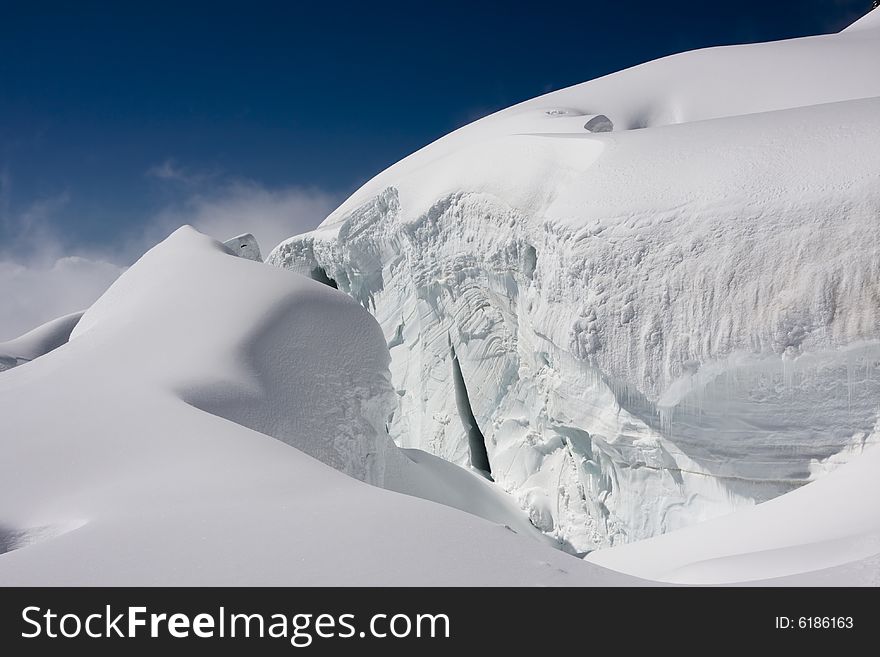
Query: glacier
643, 311
661, 320
178, 439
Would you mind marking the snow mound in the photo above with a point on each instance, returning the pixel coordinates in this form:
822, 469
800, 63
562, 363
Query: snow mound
653, 327
297, 362
38, 341
112, 471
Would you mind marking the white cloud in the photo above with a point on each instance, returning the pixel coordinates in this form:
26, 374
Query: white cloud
29, 234
33, 294
40, 280
246, 207
169, 171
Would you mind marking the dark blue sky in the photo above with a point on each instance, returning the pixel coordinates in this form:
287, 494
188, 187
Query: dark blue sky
318, 94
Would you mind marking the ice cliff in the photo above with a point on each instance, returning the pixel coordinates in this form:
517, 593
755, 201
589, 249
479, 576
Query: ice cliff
653, 318
177, 438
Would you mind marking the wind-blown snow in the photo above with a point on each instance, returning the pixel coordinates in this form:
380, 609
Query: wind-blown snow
655, 325
150, 448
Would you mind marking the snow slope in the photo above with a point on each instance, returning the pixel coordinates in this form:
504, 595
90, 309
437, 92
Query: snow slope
169, 442
870, 21
38, 341
655, 325
830, 525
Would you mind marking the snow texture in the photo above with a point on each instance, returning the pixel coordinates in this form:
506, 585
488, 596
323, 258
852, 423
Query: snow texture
657, 325
667, 321
826, 533
170, 442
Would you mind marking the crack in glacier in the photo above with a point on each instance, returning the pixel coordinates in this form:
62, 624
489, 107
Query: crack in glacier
476, 440
682, 425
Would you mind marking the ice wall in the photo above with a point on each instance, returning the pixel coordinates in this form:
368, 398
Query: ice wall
595, 454
654, 326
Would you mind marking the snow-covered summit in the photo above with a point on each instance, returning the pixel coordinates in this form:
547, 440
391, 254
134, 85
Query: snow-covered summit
654, 325
870, 21
693, 86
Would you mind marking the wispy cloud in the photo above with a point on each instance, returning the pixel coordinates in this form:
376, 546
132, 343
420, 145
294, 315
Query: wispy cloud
272, 215
40, 279
170, 172
29, 234
33, 293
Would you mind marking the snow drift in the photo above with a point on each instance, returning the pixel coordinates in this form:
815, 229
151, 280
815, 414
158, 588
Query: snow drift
37, 342
654, 325
150, 447
829, 529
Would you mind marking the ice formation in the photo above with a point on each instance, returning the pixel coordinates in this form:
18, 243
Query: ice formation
245, 246
170, 441
599, 123
652, 326
826, 533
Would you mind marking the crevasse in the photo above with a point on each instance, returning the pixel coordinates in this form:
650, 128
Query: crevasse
593, 458
656, 324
